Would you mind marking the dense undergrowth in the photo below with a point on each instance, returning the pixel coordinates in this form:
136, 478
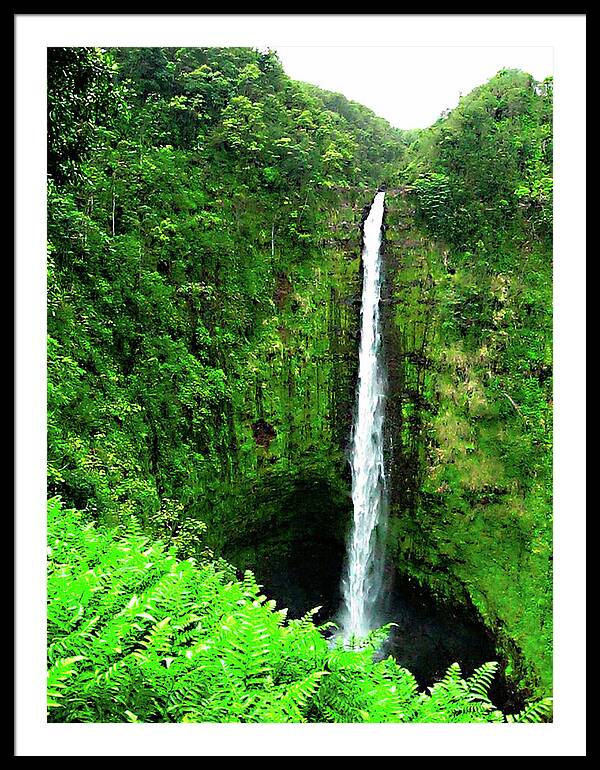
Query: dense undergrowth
137, 635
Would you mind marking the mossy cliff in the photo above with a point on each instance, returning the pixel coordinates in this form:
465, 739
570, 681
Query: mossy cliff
468, 416
203, 215
286, 507
469, 326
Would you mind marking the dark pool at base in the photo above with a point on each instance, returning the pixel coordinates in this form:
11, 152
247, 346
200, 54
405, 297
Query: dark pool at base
428, 636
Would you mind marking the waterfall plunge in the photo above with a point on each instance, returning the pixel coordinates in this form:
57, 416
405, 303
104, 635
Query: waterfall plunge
361, 586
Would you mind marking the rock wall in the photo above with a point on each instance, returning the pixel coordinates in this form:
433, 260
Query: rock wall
286, 509
464, 517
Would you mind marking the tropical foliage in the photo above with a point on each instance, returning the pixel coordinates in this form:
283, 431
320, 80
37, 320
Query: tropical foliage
137, 635
203, 269
207, 185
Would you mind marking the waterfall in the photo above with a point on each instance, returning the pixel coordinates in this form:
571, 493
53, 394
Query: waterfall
361, 586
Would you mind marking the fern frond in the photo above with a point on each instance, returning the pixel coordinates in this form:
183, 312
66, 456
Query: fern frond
533, 712
136, 635
57, 677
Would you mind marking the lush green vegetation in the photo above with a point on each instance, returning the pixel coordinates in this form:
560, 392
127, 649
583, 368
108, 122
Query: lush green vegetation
186, 258
203, 267
137, 635
473, 324
485, 170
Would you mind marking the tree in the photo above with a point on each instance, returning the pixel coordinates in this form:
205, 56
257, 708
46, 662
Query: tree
81, 99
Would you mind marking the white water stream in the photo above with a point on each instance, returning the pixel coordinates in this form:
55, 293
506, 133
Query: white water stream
361, 587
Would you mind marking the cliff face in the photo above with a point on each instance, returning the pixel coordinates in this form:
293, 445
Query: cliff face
470, 467
467, 525
202, 265
285, 510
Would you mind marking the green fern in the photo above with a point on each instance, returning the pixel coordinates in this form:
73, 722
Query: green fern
137, 635
58, 675
533, 712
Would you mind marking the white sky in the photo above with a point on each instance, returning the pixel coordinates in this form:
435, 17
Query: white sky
409, 85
